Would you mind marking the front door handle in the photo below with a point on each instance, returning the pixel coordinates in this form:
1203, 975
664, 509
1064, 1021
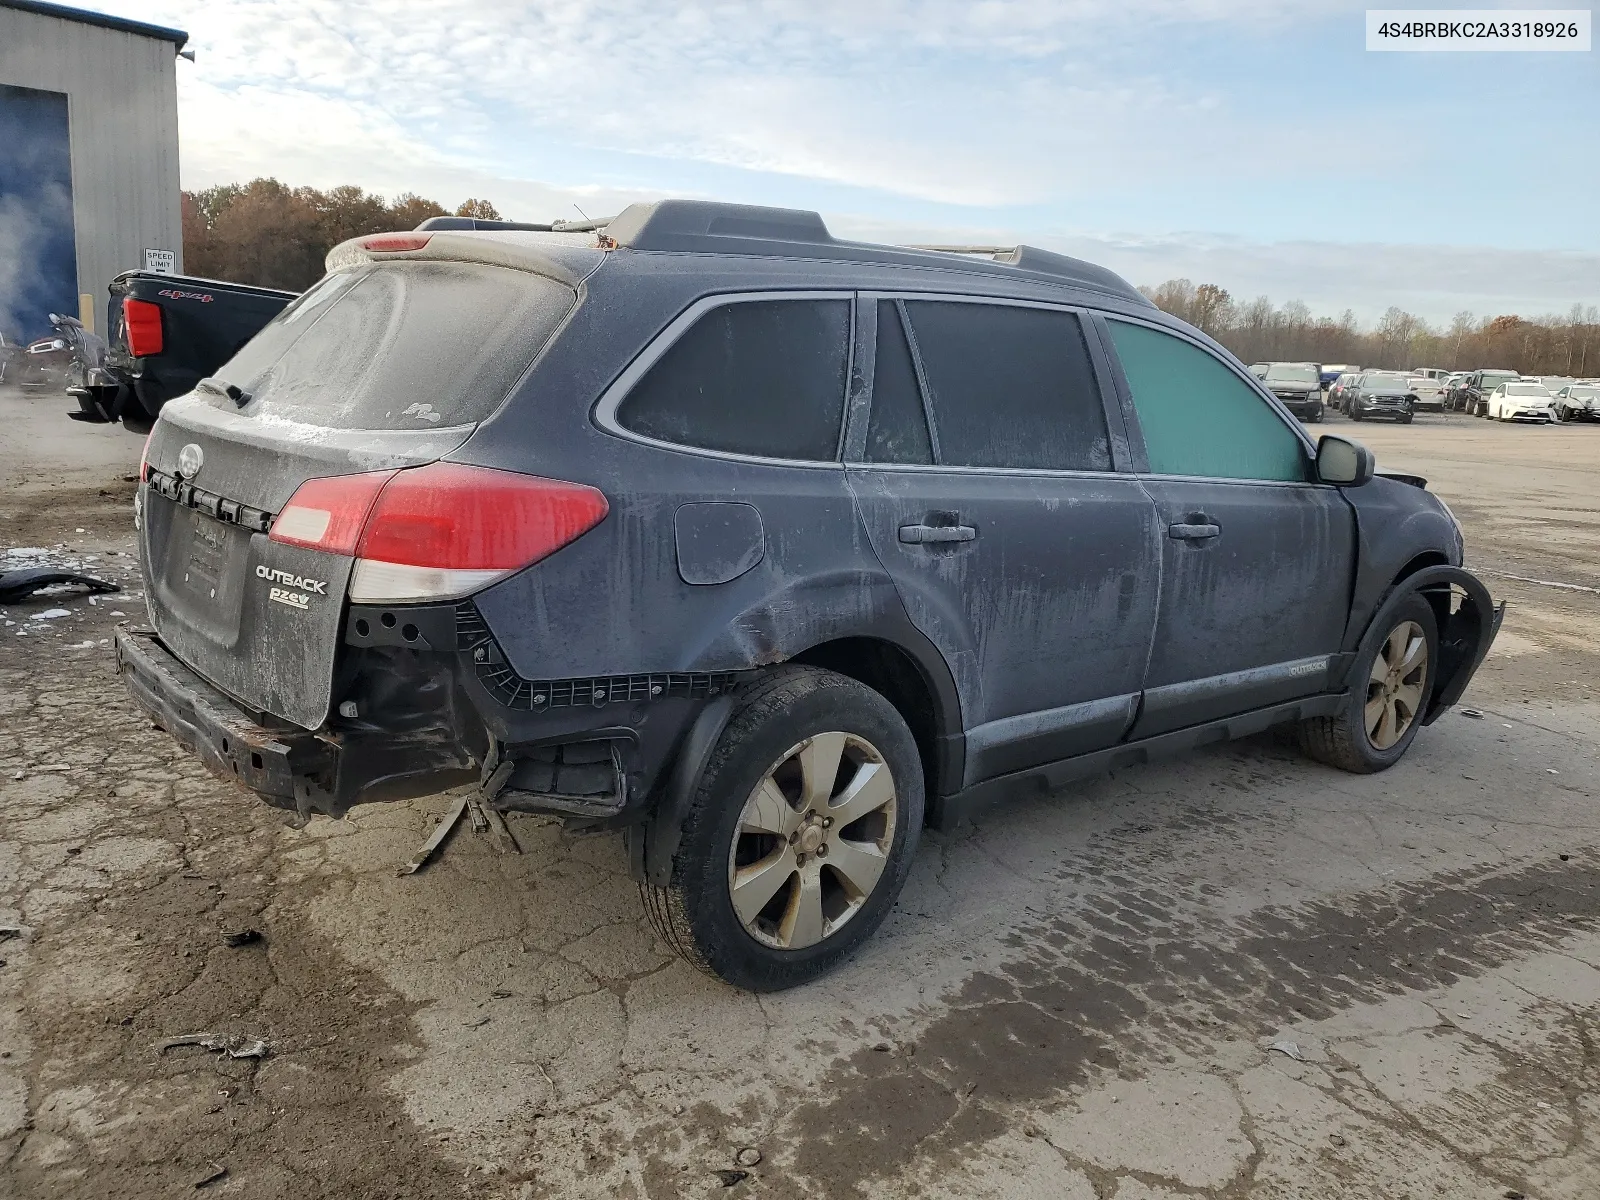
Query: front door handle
1193, 533
925, 535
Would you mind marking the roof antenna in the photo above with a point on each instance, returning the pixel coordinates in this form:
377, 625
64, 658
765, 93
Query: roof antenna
581, 213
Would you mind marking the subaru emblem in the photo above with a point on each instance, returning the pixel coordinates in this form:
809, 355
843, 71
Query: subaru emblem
190, 459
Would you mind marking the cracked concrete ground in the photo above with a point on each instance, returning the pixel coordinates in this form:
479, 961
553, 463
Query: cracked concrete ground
1076, 997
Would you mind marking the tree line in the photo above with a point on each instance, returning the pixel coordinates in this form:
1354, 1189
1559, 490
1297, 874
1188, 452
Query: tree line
271, 235
1259, 331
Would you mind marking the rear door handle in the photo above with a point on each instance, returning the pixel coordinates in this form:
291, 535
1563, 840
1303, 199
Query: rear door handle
1193, 533
924, 535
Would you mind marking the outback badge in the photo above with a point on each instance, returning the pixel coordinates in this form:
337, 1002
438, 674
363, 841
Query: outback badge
298, 589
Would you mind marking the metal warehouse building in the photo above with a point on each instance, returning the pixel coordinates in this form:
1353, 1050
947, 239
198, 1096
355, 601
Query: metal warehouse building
88, 160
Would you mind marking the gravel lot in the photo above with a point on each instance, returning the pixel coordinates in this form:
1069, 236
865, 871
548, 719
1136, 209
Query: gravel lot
1078, 997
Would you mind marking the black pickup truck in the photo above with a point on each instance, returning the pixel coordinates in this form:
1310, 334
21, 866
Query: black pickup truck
168, 332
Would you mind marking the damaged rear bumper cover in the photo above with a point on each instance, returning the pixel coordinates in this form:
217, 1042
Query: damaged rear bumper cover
429, 721
209, 724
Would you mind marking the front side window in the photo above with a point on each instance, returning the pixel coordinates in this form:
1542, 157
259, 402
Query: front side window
1008, 386
1198, 417
760, 377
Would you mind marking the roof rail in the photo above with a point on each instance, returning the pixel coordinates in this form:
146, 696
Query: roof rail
707, 227
435, 224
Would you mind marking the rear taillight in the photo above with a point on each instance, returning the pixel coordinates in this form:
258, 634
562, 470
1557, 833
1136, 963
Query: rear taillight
142, 320
439, 531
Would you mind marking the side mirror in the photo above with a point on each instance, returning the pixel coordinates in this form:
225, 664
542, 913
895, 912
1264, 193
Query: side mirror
1343, 462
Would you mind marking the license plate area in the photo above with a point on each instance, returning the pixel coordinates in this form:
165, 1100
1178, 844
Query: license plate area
202, 571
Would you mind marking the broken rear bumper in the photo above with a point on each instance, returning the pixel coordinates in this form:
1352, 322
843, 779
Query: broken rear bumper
206, 722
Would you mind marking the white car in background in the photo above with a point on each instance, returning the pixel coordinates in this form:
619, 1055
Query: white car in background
1577, 402
1516, 400
1428, 392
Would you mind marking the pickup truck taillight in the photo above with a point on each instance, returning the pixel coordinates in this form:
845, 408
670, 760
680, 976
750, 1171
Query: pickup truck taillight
142, 320
439, 531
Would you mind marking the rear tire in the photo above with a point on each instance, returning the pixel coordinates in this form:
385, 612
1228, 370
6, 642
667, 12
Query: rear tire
756, 784
1355, 739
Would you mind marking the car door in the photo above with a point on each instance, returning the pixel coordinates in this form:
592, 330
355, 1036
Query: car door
1258, 559
985, 471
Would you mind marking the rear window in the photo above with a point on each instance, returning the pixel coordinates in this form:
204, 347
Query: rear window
757, 377
400, 346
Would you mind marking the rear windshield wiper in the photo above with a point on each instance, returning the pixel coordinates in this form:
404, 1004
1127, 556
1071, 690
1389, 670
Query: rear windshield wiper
221, 387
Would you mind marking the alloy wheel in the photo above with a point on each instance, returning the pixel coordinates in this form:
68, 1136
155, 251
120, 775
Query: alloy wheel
812, 841
1396, 684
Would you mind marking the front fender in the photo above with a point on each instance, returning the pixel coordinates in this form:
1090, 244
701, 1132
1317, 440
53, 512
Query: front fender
1468, 621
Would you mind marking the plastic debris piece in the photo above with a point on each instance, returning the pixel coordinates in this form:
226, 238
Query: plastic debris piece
1287, 1049
749, 1156
52, 614
243, 937
233, 1045
729, 1178
217, 1173
436, 839
20, 584
1475, 714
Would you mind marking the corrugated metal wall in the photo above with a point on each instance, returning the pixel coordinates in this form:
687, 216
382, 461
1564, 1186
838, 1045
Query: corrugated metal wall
123, 103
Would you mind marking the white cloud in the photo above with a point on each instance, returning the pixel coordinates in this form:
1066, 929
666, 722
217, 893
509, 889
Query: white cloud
965, 109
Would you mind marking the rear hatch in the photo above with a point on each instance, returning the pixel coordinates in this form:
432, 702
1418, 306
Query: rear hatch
382, 365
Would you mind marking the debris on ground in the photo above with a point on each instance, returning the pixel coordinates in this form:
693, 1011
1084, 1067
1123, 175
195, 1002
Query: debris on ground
234, 1045
1287, 1049
436, 839
7, 932
1474, 713
748, 1157
20, 584
244, 937
730, 1178
1336, 1138
217, 1173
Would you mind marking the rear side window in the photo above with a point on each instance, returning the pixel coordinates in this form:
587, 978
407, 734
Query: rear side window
1009, 387
759, 377
400, 346
898, 429
1198, 417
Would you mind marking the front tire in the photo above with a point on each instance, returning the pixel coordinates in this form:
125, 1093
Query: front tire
1385, 707
799, 836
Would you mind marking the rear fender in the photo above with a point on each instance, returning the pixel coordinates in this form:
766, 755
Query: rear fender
1468, 621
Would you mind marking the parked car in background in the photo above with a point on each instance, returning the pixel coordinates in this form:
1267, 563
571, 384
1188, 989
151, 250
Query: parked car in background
168, 332
1518, 401
1553, 383
1386, 394
1451, 389
1475, 396
1429, 398
1432, 374
607, 527
8, 351
1339, 393
1259, 370
1577, 402
1298, 385
61, 361
1332, 371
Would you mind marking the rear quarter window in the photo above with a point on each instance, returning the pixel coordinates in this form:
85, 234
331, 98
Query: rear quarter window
400, 346
758, 377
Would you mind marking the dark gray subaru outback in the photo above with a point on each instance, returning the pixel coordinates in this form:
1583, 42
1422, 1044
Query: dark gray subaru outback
766, 549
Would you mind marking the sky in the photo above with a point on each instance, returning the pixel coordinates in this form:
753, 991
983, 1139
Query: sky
1250, 143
